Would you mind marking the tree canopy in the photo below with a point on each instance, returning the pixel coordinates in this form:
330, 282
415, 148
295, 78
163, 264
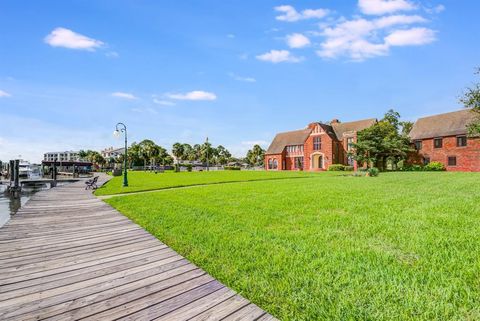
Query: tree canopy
255, 156
471, 99
200, 152
386, 141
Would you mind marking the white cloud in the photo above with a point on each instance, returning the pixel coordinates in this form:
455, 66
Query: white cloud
62, 37
380, 7
4, 94
360, 38
231, 36
112, 54
276, 56
193, 95
290, 14
410, 37
123, 95
437, 9
297, 40
390, 21
240, 78
163, 102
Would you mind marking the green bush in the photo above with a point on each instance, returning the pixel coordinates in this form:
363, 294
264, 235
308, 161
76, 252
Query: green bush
373, 172
434, 166
231, 168
348, 168
177, 168
189, 167
336, 167
412, 168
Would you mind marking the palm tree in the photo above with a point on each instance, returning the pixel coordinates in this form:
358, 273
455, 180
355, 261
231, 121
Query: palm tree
147, 148
177, 151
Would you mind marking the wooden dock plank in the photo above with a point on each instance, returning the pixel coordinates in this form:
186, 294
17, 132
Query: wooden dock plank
66, 255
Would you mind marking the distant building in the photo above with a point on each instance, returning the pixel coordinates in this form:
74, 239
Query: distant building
71, 156
316, 147
443, 138
112, 152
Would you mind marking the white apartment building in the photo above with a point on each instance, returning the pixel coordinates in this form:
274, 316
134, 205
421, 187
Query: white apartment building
112, 152
62, 156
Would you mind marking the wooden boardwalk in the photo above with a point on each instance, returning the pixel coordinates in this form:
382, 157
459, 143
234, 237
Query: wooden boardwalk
67, 255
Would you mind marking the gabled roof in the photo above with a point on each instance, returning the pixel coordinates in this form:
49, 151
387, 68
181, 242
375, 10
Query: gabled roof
341, 129
296, 137
448, 124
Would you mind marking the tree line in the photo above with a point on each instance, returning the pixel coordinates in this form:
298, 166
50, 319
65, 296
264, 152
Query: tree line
148, 153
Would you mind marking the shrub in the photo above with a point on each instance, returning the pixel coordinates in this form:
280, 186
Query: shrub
372, 172
231, 168
177, 168
434, 166
336, 167
189, 167
412, 168
348, 168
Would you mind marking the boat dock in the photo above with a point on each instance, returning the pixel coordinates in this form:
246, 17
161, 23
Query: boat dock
67, 255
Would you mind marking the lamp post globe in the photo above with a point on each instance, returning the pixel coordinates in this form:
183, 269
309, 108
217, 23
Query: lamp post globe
120, 127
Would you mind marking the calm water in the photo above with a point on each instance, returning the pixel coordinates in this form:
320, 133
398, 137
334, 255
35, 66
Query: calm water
9, 205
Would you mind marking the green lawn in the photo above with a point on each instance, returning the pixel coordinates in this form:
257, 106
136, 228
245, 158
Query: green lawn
401, 246
147, 181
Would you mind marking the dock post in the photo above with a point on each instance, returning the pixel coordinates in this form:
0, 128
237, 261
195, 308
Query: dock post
16, 179
11, 171
74, 170
54, 174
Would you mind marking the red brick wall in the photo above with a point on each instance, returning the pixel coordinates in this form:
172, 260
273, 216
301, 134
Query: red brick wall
278, 157
468, 157
326, 150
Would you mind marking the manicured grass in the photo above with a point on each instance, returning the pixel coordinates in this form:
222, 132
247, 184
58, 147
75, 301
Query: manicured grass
401, 246
147, 181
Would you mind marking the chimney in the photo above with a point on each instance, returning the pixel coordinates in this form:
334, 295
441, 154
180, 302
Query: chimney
335, 121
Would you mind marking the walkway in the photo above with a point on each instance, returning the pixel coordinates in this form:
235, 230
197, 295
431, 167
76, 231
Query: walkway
67, 255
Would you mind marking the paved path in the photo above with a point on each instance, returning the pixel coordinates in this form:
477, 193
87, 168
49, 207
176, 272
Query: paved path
67, 255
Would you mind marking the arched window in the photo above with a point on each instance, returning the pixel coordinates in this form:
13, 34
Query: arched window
275, 164
270, 163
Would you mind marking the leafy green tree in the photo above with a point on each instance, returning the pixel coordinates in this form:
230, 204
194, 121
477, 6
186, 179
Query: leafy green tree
134, 154
188, 152
386, 141
178, 151
255, 156
223, 155
471, 99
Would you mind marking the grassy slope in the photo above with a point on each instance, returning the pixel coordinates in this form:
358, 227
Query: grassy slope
146, 181
400, 246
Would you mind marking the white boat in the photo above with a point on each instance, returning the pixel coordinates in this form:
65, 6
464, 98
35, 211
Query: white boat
27, 170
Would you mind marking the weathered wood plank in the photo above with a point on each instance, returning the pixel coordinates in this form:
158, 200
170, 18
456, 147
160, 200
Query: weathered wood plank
67, 255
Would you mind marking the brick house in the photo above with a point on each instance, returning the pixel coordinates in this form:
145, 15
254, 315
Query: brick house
443, 138
316, 147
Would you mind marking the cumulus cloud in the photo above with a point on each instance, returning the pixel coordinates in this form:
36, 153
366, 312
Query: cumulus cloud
289, 13
4, 94
297, 40
276, 56
62, 37
123, 95
410, 37
361, 38
380, 7
193, 95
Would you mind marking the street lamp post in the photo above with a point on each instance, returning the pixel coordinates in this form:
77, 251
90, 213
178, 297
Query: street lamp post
120, 127
207, 154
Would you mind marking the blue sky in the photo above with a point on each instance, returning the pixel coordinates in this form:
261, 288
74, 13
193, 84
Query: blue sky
235, 71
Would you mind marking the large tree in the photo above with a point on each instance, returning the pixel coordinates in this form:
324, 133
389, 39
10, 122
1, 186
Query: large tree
255, 156
178, 151
471, 99
386, 141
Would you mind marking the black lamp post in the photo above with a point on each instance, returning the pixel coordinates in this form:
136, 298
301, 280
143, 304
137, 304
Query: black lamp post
120, 127
206, 145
